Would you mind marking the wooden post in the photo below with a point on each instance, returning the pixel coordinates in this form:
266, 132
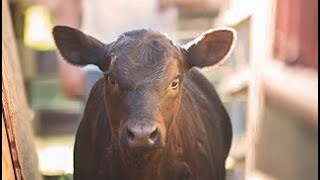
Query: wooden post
260, 51
19, 158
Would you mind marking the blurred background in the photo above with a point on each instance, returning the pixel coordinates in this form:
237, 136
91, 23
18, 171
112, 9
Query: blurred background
269, 85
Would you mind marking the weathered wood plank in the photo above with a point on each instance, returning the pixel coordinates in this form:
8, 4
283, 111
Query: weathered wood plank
16, 112
7, 168
260, 51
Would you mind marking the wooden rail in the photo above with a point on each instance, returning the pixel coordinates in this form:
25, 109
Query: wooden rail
295, 89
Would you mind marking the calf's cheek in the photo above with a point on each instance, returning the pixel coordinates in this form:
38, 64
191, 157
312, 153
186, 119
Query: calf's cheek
169, 110
115, 110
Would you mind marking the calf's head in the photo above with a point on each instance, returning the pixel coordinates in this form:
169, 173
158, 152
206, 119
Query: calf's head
144, 73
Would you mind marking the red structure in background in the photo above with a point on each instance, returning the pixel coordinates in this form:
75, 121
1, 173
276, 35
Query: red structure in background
296, 37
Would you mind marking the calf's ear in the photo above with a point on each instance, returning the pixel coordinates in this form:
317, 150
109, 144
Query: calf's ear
79, 48
211, 48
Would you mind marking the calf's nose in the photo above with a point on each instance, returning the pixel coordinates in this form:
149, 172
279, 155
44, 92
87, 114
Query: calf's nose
143, 135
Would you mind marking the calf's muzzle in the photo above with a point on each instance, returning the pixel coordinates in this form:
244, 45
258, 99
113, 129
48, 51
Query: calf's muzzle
142, 135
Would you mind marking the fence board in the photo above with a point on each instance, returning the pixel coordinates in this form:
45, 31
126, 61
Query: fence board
7, 170
16, 112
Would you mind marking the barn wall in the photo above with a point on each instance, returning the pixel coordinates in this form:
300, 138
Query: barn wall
296, 40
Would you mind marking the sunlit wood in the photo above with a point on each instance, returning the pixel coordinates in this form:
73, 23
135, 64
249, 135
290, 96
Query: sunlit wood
16, 112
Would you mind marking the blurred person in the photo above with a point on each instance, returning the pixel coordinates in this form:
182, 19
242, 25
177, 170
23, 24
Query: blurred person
105, 20
72, 78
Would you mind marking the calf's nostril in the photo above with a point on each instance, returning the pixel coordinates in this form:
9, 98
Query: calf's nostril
130, 135
154, 135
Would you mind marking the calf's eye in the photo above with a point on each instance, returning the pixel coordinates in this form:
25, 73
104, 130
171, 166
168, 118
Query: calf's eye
175, 84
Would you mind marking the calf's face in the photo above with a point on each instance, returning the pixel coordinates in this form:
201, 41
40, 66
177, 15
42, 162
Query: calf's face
143, 88
144, 74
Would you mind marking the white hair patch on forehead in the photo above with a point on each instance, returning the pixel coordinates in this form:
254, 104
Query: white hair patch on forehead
113, 58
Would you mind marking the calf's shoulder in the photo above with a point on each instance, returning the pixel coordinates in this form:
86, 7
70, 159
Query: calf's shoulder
92, 135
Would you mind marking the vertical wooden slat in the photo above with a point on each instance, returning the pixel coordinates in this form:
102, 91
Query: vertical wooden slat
260, 51
16, 112
7, 167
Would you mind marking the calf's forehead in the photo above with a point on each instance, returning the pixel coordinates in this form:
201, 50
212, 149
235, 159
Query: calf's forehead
145, 47
130, 75
146, 55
